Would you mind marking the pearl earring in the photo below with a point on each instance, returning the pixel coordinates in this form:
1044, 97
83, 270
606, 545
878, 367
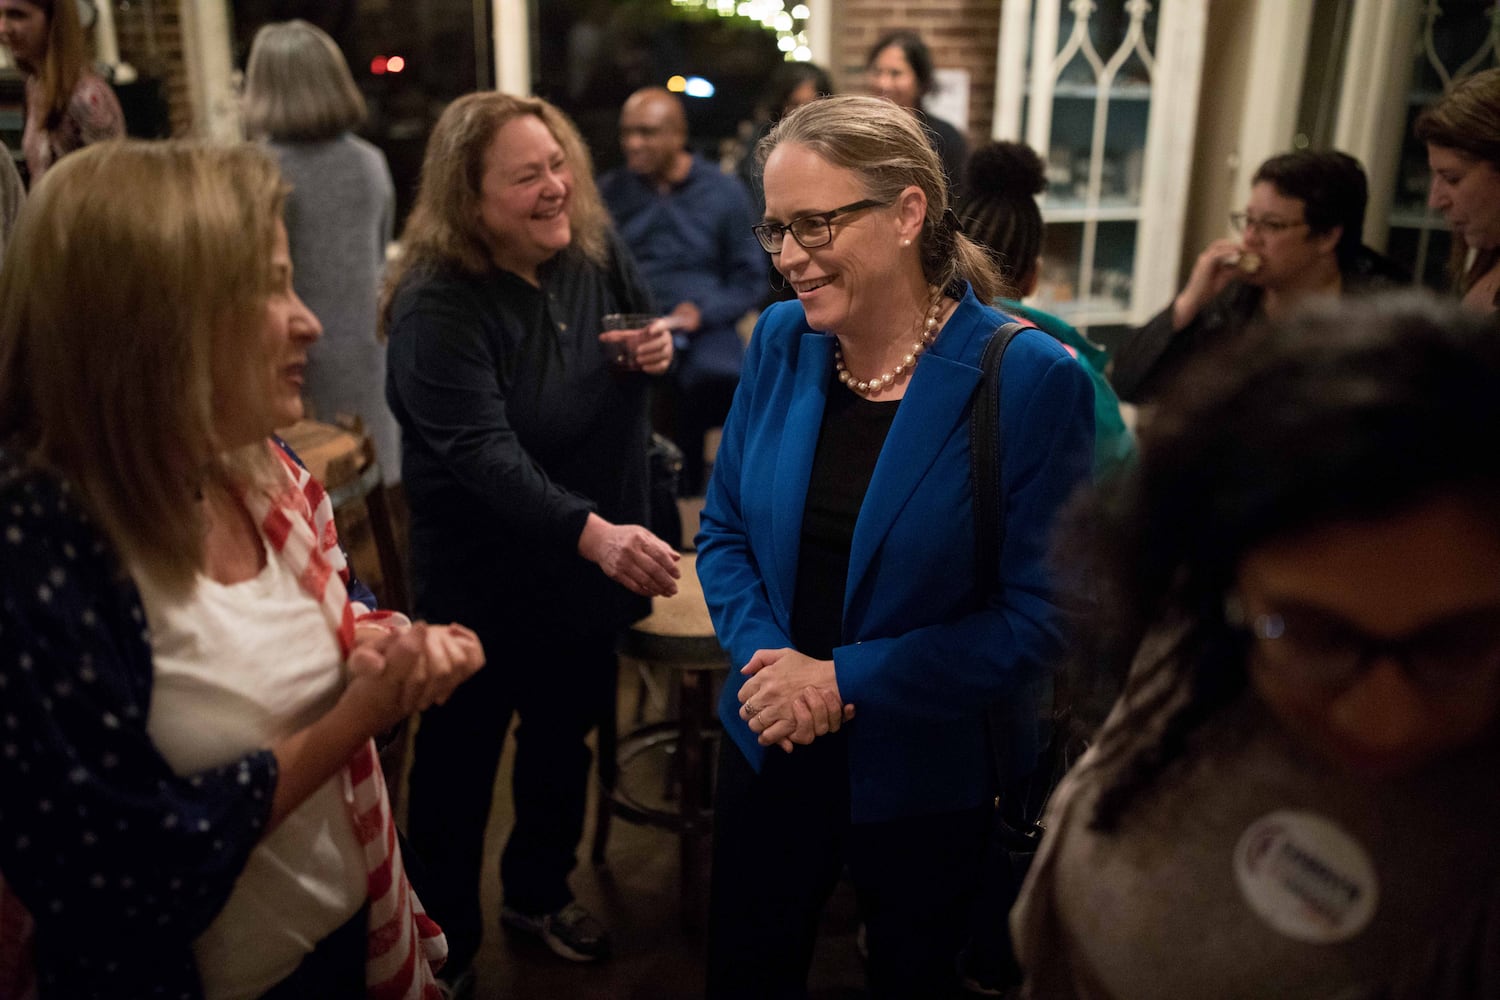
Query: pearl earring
906, 243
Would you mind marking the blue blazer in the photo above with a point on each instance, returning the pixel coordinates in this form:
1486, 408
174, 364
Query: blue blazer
920, 660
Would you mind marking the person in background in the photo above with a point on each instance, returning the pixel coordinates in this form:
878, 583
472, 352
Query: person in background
1462, 133
12, 196
1295, 796
300, 98
999, 211
688, 228
1301, 240
193, 804
838, 558
68, 105
791, 85
524, 436
899, 68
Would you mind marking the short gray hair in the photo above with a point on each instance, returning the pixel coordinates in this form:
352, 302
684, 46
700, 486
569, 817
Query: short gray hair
298, 86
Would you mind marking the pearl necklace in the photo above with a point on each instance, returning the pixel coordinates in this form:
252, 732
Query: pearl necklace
918, 347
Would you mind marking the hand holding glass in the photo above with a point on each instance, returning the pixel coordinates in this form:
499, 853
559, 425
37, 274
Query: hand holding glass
622, 334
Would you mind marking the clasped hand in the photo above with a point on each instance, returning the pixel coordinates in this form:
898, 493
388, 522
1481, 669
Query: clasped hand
395, 674
791, 698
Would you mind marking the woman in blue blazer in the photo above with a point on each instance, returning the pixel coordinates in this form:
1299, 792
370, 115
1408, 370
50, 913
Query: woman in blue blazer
837, 556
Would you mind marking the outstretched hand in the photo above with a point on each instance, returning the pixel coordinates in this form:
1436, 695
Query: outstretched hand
631, 556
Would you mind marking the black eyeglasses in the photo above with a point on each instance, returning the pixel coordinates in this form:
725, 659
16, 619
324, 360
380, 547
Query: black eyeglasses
1243, 221
809, 231
1328, 653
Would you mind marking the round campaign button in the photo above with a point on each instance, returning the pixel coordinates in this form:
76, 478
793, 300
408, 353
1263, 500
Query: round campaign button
1306, 877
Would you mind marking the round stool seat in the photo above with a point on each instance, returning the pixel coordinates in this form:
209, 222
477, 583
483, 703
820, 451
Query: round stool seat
678, 631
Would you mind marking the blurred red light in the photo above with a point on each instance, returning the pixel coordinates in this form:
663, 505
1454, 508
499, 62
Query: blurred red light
379, 65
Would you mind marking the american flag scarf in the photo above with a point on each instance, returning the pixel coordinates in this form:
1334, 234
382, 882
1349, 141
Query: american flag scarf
405, 945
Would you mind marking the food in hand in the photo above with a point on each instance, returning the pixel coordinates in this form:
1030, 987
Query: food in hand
1244, 261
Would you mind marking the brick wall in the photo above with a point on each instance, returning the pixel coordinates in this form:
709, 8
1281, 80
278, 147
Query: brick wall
151, 40
962, 34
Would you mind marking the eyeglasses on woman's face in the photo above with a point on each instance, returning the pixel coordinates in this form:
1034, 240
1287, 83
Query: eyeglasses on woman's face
1269, 225
810, 231
1327, 653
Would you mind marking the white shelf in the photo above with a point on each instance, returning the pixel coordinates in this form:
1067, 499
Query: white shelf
1089, 312
1088, 91
1076, 210
1118, 255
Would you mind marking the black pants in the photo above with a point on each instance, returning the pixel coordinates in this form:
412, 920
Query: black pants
701, 408
560, 687
781, 840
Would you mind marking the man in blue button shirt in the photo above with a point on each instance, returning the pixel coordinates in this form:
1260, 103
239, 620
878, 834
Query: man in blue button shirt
688, 226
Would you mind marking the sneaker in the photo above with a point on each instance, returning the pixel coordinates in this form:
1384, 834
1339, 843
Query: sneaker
572, 932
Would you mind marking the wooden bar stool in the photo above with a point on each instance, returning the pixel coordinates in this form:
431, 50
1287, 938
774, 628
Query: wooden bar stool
678, 637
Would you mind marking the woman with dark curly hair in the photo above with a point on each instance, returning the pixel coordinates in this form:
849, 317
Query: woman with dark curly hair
1295, 795
999, 211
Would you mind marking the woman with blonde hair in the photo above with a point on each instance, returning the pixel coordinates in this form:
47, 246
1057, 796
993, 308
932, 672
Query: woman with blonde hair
68, 105
192, 801
841, 560
300, 99
524, 434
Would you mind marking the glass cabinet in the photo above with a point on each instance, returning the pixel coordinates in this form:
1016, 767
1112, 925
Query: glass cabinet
1108, 97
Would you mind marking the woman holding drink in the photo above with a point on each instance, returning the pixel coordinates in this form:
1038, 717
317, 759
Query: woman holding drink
524, 457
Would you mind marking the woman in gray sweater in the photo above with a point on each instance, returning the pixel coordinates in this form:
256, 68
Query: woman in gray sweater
301, 99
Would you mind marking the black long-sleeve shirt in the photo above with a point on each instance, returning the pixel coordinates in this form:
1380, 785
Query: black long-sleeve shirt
514, 428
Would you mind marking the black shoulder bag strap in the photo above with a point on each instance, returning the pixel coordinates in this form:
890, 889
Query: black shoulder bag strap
1024, 798
985, 448
986, 445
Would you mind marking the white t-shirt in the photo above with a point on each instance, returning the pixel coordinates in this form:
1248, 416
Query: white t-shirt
237, 668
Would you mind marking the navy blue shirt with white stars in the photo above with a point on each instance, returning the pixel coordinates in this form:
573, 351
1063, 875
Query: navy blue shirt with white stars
121, 861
